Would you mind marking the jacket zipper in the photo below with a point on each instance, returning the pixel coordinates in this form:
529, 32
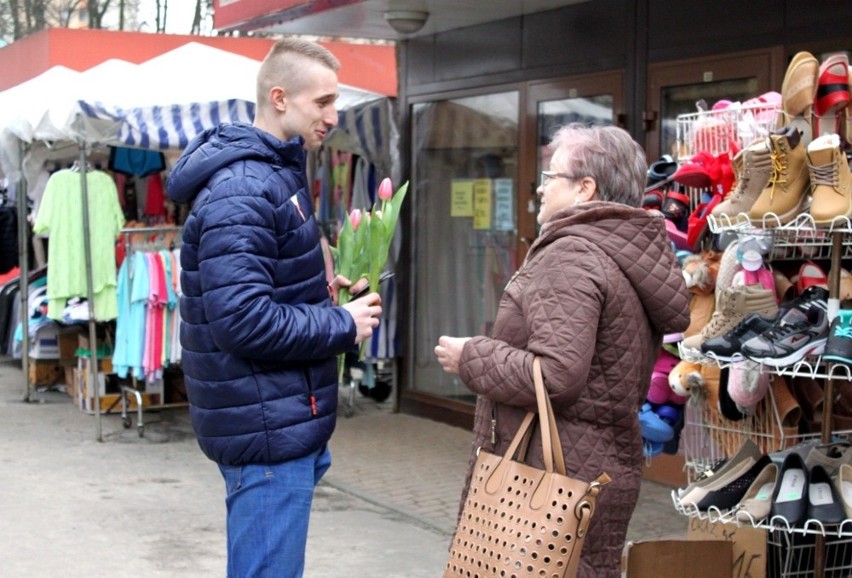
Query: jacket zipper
493, 425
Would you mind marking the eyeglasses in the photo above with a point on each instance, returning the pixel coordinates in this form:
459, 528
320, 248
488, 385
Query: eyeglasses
546, 176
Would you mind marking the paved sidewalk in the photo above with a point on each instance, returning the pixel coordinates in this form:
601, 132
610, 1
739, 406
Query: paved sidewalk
417, 467
128, 506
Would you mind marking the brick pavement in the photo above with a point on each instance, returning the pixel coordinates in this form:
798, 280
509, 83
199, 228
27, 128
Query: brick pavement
417, 467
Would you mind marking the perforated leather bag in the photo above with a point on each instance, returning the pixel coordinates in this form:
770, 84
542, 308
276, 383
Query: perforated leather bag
520, 521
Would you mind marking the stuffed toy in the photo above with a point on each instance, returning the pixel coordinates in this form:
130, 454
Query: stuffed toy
699, 272
685, 377
659, 390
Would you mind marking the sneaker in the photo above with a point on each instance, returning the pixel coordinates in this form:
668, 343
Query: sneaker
813, 295
793, 337
734, 304
727, 347
838, 347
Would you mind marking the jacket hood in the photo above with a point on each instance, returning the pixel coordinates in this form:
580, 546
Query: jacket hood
224, 145
637, 242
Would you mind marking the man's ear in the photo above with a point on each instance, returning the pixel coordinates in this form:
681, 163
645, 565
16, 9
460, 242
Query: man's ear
278, 98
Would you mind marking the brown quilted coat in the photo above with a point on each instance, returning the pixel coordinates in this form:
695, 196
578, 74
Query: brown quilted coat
598, 289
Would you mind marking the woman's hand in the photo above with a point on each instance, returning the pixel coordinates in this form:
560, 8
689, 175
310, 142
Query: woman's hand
448, 351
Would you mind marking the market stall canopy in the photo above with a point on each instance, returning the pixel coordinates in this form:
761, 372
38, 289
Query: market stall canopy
159, 104
175, 97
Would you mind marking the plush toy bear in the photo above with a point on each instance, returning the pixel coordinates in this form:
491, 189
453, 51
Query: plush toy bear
699, 272
659, 390
685, 377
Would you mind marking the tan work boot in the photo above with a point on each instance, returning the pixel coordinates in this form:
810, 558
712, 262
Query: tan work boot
831, 182
752, 169
734, 304
784, 195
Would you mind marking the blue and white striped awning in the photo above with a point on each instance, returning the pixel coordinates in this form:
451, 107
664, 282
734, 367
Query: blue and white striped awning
168, 127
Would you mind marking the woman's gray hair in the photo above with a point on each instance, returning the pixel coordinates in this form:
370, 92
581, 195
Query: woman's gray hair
609, 155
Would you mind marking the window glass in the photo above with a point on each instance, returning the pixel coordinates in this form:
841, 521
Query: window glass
465, 175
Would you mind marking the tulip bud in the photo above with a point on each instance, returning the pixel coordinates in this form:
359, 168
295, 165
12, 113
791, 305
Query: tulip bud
385, 189
355, 218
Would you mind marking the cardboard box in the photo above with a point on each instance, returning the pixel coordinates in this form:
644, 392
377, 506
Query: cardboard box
109, 394
45, 344
82, 386
749, 544
104, 346
70, 381
693, 558
68, 339
45, 373
112, 402
104, 364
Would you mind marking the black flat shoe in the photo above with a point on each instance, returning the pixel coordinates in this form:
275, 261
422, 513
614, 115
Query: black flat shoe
823, 503
790, 499
730, 495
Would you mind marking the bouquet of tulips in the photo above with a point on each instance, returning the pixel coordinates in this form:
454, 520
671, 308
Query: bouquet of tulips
364, 241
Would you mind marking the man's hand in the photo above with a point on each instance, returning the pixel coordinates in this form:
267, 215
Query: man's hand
365, 313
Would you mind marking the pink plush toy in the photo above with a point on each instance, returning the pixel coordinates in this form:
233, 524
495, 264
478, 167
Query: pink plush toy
660, 390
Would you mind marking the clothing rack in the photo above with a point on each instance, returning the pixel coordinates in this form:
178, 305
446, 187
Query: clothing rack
87, 248
23, 258
150, 238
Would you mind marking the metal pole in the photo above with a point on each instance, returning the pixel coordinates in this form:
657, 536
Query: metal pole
828, 393
24, 279
93, 336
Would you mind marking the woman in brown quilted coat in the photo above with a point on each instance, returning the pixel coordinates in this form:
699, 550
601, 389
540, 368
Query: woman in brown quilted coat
593, 298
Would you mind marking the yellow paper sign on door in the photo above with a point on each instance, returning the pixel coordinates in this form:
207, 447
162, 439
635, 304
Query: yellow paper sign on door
482, 204
461, 198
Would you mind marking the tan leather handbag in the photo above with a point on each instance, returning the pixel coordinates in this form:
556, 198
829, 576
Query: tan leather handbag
519, 520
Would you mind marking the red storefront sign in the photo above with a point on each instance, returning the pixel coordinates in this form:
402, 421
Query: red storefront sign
236, 14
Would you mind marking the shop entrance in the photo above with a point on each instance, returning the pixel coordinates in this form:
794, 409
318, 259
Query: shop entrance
476, 161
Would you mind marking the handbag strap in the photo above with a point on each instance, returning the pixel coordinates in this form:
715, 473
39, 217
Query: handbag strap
551, 447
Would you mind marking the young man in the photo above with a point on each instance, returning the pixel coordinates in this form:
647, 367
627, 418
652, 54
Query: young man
260, 334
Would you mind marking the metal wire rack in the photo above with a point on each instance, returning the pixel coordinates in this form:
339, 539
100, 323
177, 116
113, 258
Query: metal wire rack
802, 238
727, 130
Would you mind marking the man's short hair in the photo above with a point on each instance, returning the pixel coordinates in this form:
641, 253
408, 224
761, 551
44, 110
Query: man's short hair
282, 66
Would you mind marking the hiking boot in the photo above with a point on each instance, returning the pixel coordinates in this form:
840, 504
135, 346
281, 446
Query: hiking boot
783, 197
794, 336
831, 181
734, 304
752, 165
838, 347
727, 347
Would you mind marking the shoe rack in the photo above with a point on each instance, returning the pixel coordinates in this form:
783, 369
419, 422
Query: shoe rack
804, 549
709, 437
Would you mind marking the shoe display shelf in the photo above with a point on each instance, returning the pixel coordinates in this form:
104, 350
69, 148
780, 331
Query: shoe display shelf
708, 437
719, 131
799, 239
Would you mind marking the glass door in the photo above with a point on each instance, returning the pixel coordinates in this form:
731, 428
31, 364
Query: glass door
465, 177
591, 99
681, 87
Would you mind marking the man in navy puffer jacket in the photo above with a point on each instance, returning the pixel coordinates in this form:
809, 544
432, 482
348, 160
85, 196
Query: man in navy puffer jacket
260, 334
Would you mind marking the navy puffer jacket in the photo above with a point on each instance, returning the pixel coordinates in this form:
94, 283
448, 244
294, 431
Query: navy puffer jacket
259, 333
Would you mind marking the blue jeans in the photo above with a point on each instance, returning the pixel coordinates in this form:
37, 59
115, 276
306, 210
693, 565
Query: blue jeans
268, 511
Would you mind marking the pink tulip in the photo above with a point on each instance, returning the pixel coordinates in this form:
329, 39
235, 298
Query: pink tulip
355, 218
385, 189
